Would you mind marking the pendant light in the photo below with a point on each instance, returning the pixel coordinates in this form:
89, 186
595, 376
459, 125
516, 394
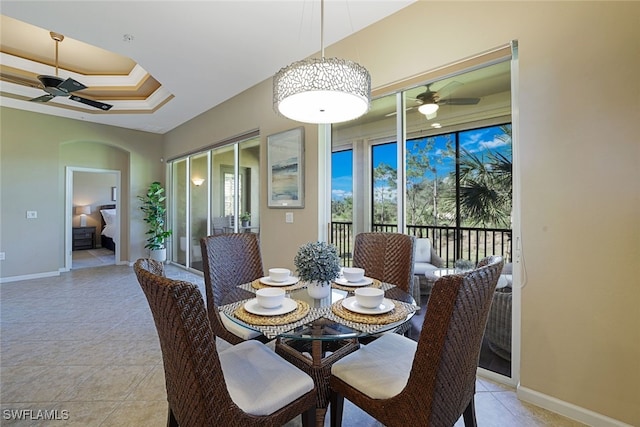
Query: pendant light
322, 90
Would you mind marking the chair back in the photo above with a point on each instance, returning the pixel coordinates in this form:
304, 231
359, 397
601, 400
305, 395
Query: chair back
229, 260
446, 360
196, 388
387, 257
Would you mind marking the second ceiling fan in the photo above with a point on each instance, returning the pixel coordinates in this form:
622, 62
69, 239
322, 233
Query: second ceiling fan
430, 101
57, 86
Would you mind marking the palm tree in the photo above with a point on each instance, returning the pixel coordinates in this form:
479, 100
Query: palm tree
486, 187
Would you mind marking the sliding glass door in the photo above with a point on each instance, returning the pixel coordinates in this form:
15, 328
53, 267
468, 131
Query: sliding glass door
210, 192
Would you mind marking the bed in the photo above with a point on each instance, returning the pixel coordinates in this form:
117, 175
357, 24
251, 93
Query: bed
108, 229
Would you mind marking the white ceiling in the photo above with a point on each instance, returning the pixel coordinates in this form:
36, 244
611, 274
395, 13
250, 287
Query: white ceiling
202, 52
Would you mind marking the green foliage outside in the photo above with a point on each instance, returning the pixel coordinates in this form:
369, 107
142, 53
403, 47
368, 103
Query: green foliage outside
485, 189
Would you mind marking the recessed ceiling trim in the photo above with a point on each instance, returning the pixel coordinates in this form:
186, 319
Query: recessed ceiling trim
134, 78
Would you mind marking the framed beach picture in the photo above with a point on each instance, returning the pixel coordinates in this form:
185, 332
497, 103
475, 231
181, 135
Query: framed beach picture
285, 164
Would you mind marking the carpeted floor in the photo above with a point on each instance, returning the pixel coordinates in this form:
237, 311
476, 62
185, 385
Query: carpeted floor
92, 258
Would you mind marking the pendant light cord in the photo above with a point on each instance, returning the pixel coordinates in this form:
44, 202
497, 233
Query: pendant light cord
322, 28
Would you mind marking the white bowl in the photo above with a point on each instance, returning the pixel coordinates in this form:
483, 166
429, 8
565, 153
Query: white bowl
270, 297
279, 274
369, 297
353, 274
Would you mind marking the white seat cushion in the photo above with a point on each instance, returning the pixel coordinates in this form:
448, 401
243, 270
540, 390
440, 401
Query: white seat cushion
380, 369
422, 250
420, 268
222, 345
259, 381
238, 330
504, 280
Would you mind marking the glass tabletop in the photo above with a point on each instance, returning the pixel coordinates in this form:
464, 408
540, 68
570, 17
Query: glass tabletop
321, 323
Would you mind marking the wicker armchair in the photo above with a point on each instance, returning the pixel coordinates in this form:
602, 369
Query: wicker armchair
431, 382
498, 333
210, 388
229, 260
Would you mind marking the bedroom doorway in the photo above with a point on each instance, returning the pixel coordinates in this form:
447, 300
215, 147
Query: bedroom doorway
92, 219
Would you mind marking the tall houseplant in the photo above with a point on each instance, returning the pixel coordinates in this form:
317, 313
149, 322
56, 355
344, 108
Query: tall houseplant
153, 206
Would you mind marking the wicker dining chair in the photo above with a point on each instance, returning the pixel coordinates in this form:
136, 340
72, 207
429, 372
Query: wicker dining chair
431, 382
229, 260
387, 257
244, 385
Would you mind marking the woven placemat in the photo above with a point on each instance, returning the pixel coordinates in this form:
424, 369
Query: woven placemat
255, 319
376, 284
397, 314
257, 284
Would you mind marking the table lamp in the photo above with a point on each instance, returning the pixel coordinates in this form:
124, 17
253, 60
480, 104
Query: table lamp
83, 211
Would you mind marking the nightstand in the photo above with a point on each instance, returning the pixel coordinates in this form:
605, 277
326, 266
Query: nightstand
84, 238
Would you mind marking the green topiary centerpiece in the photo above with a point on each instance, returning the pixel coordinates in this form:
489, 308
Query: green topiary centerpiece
318, 264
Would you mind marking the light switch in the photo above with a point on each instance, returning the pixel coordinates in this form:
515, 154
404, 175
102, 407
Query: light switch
32, 214
288, 217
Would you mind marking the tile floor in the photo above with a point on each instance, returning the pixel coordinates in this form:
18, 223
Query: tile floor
83, 347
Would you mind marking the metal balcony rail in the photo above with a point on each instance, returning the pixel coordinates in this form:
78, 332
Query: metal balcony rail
451, 243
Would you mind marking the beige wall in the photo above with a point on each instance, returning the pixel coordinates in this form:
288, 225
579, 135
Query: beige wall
578, 162
35, 150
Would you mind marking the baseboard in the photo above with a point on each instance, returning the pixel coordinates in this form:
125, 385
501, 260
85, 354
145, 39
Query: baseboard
566, 409
29, 277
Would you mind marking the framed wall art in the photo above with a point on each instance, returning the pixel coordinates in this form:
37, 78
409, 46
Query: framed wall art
285, 169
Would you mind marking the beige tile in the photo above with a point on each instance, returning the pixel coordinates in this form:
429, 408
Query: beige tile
112, 383
533, 414
40, 384
138, 414
152, 387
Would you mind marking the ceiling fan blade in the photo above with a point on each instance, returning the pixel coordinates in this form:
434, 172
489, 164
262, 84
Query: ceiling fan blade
459, 101
448, 89
43, 98
91, 102
71, 85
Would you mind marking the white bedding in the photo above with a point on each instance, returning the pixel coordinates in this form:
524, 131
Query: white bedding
109, 216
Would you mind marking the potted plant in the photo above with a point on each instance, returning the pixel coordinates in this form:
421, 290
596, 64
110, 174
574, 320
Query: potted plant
153, 206
318, 264
245, 219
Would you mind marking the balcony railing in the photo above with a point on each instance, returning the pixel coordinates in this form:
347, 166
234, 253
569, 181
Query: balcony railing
450, 243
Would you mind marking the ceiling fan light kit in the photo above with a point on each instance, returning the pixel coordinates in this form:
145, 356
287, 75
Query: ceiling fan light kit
56, 86
322, 90
428, 109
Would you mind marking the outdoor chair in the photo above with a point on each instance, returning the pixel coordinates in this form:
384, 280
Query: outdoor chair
244, 385
432, 382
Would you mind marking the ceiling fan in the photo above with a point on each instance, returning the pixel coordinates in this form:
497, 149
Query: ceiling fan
430, 101
56, 86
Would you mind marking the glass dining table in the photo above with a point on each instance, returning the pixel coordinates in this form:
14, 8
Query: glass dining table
318, 332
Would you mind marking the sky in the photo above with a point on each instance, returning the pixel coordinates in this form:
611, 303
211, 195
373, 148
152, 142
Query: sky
475, 141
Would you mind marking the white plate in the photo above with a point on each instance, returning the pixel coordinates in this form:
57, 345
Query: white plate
352, 305
344, 282
288, 305
290, 281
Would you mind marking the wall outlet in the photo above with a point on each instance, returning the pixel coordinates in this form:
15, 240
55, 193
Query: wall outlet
288, 217
1, 256
32, 214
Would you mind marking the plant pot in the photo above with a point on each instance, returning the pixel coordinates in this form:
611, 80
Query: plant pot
158, 254
246, 223
318, 290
